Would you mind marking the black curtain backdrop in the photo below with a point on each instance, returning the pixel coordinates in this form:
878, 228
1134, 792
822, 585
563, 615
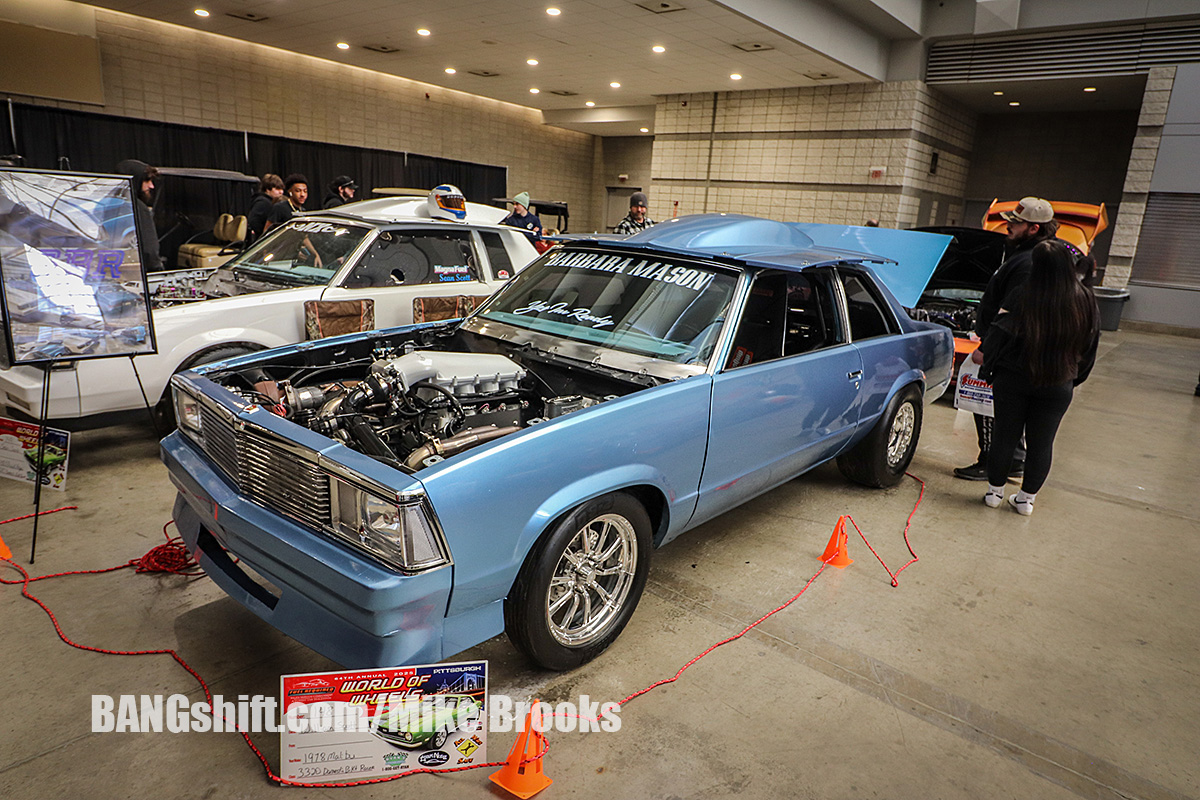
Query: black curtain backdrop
478, 183
97, 142
321, 163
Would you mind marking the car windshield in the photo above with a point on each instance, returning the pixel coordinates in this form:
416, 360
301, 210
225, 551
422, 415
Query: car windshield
301, 252
647, 305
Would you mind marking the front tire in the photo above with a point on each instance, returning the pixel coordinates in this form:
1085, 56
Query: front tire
881, 459
439, 739
580, 583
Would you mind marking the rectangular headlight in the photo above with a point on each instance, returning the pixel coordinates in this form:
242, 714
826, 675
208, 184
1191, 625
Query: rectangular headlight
187, 411
401, 535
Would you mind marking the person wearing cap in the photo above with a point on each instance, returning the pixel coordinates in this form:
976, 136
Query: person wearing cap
522, 218
1029, 223
341, 191
636, 220
295, 193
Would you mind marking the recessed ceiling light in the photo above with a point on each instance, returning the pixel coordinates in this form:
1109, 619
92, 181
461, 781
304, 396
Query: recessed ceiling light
658, 48
534, 91
200, 12
1014, 103
615, 85
343, 46
533, 62
554, 12
735, 77
450, 70
998, 94
590, 104
422, 31
644, 130
1089, 88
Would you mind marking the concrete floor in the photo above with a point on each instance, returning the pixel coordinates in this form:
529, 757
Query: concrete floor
1050, 657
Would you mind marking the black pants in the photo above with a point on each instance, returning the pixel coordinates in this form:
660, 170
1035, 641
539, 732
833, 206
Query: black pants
1036, 411
984, 431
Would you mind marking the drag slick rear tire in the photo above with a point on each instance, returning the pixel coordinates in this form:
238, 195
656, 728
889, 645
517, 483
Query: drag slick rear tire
580, 584
881, 459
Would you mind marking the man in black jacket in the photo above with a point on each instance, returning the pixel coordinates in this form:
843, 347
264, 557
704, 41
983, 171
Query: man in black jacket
341, 191
270, 189
1031, 222
144, 177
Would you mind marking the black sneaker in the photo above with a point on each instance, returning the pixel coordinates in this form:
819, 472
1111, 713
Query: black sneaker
1018, 470
975, 472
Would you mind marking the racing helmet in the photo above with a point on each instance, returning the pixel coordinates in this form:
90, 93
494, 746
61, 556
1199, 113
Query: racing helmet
447, 202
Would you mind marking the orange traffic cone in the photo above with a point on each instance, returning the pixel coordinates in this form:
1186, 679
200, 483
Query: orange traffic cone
4, 551
835, 552
523, 775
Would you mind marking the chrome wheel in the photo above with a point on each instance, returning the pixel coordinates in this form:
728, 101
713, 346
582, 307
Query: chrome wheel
592, 580
901, 434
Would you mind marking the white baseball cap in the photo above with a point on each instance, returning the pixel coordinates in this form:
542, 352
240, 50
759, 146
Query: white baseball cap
1030, 209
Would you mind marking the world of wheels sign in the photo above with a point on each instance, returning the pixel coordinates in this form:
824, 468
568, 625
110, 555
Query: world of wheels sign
347, 726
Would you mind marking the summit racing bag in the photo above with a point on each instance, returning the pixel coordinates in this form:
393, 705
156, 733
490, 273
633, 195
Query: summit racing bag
973, 393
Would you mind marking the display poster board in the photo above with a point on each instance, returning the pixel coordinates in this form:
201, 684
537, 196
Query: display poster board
72, 283
346, 726
19, 452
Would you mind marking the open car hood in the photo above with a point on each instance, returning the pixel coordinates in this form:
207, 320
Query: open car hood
971, 259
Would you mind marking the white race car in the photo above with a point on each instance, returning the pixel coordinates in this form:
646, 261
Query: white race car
392, 251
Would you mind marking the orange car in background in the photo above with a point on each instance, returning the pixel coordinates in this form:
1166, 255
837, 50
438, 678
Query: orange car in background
1078, 223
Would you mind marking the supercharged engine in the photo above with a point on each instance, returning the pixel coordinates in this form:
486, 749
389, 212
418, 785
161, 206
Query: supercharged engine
957, 315
419, 407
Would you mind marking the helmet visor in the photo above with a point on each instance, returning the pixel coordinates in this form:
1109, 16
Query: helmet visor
452, 202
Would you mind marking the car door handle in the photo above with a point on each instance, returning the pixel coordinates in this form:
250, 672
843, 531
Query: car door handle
853, 376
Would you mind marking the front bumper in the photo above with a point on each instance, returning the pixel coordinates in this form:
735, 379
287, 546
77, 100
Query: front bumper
341, 604
21, 389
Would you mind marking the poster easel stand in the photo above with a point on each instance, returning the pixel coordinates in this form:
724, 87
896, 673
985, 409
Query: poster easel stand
40, 467
149, 409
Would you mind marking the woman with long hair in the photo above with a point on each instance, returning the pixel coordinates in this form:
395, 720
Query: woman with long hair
1034, 355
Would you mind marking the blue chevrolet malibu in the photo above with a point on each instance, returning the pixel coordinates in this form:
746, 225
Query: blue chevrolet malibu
398, 496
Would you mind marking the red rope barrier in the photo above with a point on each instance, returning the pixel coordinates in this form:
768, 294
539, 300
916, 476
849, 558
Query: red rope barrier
173, 558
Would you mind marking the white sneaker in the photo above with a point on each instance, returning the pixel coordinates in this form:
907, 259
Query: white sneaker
993, 499
1024, 508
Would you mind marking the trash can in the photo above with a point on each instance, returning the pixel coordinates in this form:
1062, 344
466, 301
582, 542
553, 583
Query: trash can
1110, 301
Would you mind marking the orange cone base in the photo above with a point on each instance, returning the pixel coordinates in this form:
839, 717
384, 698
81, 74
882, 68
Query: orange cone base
524, 785
835, 552
524, 780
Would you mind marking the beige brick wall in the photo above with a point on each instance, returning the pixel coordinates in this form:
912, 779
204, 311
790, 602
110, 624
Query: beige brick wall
156, 71
1137, 177
807, 154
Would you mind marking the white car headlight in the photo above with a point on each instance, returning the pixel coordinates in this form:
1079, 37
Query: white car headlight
187, 411
402, 535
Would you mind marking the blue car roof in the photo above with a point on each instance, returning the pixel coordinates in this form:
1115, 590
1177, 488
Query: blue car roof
904, 260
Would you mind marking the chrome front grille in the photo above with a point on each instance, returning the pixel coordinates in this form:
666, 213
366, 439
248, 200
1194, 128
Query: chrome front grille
269, 474
219, 440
